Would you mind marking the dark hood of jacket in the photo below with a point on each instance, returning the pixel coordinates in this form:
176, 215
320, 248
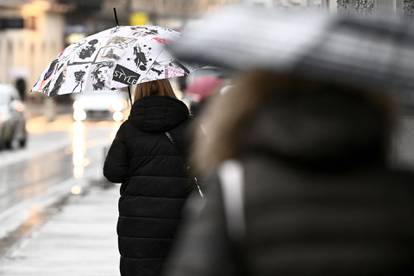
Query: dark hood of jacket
158, 113
329, 129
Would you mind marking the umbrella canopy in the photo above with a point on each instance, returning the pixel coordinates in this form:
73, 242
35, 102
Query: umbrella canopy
369, 51
112, 59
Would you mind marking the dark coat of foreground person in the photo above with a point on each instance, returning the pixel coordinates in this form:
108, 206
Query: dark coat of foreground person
319, 195
154, 182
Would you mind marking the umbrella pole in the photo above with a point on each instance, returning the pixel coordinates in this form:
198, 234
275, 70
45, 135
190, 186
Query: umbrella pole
129, 93
116, 17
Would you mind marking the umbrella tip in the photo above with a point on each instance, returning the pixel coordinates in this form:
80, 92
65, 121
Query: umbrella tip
116, 17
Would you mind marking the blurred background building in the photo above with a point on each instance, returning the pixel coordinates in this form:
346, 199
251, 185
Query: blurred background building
32, 32
365, 7
30, 36
403, 7
175, 13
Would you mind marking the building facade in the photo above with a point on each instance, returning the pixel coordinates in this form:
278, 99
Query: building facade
26, 50
368, 7
285, 3
175, 13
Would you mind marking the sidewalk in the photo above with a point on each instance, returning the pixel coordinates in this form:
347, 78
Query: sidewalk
80, 240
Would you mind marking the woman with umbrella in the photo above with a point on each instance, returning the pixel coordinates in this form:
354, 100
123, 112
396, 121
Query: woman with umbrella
147, 155
154, 179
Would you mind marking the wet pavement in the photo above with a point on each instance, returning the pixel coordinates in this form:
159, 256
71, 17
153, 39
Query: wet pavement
78, 239
32, 176
55, 218
10, 243
62, 157
46, 227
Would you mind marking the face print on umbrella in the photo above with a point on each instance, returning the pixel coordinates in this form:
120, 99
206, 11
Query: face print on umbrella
100, 75
88, 50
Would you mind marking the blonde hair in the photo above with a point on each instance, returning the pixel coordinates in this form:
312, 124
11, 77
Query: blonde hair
153, 88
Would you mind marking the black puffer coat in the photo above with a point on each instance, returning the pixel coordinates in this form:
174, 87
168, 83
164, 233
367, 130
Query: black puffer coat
154, 182
318, 200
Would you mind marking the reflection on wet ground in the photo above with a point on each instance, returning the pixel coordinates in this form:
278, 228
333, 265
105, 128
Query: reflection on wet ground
36, 218
31, 178
57, 152
79, 150
63, 151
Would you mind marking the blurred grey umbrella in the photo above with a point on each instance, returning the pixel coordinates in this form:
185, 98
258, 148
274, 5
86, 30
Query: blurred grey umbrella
373, 51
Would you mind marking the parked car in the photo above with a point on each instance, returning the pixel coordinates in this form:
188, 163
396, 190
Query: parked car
100, 105
13, 132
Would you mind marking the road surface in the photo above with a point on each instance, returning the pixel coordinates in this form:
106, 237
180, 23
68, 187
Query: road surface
60, 157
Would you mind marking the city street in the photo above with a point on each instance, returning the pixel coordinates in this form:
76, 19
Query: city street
62, 157
300, 112
47, 229
78, 239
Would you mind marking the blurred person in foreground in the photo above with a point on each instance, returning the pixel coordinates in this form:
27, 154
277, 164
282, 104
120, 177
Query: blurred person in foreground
153, 174
318, 196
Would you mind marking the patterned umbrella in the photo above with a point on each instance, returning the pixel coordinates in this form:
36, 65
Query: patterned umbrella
359, 51
112, 59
